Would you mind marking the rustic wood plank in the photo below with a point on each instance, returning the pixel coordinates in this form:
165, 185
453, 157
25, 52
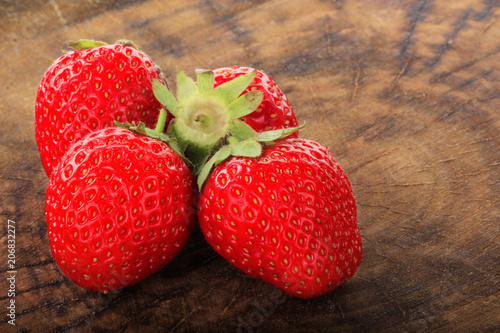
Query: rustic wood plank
406, 96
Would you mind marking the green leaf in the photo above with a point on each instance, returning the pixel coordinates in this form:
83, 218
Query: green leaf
230, 90
141, 128
127, 42
277, 134
269, 135
247, 148
149, 132
221, 155
165, 97
172, 144
175, 147
242, 131
84, 44
185, 87
245, 104
206, 79
126, 125
165, 138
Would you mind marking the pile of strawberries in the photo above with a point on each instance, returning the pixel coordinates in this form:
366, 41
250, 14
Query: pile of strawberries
132, 169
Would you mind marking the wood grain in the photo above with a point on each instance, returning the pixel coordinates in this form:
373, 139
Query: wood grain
404, 93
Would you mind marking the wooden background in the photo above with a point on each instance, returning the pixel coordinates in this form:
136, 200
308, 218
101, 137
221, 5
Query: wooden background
404, 93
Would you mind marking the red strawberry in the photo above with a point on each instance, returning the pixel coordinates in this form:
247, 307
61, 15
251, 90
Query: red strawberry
274, 112
287, 217
87, 89
119, 207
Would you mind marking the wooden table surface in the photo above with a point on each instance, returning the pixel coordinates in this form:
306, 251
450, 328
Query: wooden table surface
406, 95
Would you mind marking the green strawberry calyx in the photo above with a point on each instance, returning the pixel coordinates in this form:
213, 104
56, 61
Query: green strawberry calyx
251, 147
207, 126
156, 133
86, 44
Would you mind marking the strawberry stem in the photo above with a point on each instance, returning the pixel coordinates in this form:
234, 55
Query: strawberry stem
162, 119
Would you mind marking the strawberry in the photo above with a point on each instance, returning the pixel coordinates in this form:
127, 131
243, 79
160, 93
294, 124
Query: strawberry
287, 217
274, 112
87, 89
119, 207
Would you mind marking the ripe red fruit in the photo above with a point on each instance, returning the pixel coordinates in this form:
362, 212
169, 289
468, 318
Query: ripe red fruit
86, 90
274, 112
119, 207
287, 217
